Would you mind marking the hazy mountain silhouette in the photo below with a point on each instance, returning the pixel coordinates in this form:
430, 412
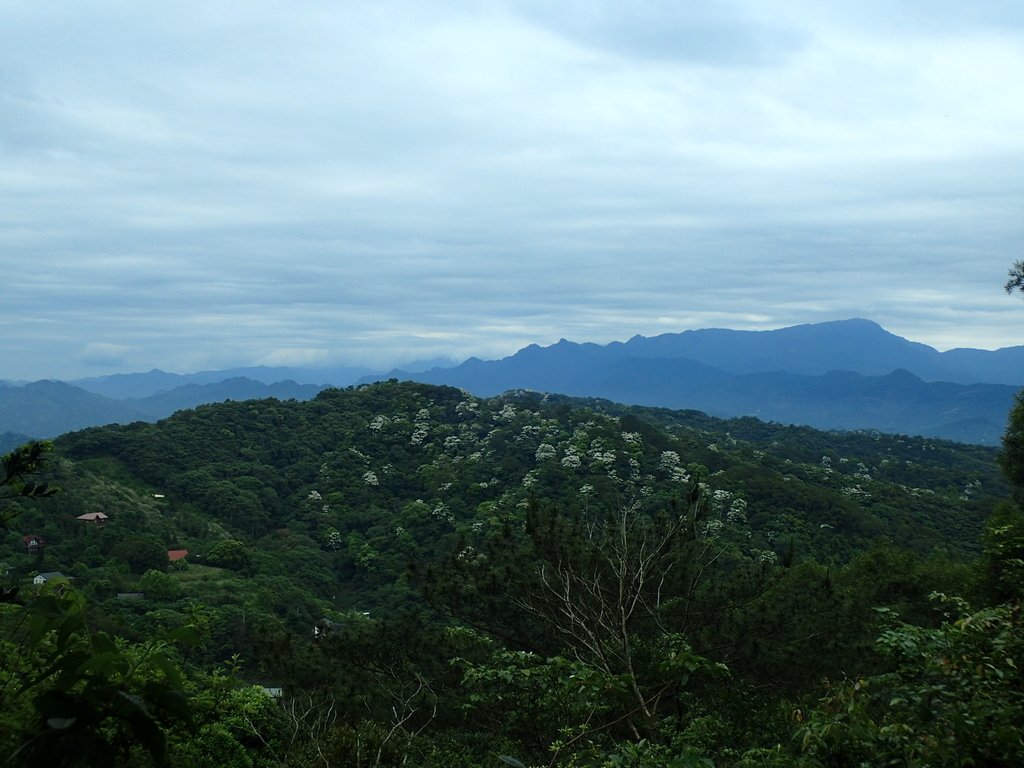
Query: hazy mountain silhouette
850, 374
44, 409
121, 386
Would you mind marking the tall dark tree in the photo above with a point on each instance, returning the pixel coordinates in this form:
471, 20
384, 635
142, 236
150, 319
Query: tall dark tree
1011, 460
1016, 278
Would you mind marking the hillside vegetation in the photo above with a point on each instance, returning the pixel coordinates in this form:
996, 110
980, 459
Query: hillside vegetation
438, 579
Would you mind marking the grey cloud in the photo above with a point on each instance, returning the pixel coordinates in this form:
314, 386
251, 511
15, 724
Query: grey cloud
200, 183
709, 34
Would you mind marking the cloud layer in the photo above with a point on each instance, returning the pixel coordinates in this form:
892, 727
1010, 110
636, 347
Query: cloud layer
210, 184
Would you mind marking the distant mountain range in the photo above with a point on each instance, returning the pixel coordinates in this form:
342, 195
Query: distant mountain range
859, 346
156, 382
45, 409
849, 374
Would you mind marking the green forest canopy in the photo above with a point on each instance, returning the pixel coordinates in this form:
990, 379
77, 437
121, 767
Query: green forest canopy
560, 581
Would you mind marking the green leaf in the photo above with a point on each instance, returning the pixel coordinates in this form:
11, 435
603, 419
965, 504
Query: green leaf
102, 643
172, 702
185, 635
168, 667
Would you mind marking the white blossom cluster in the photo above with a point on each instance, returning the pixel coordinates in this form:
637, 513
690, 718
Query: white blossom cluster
544, 452
451, 443
507, 413
632, 438
421, 426
679, 475
917, 492
441, 512
719, 498
737, 511
314, 496
370, 478
669, 462
766, 557
713, 528
467, 408
469, 555
528, 434
972, 489
529, 480
856, 493
378, 423
571, 459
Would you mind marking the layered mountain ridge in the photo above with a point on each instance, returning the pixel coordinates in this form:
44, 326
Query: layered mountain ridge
848, 374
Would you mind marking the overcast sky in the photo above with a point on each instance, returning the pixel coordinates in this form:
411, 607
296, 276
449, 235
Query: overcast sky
196, 185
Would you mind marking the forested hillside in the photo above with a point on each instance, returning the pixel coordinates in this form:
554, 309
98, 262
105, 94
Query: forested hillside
438, 579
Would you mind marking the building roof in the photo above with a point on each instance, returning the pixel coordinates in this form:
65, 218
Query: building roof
50, 575
93, 517
174, 555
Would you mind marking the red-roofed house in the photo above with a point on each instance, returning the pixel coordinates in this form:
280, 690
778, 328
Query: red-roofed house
174, 555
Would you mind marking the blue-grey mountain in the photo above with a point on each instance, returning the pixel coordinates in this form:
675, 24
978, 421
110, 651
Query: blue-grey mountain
849, 374
841, 375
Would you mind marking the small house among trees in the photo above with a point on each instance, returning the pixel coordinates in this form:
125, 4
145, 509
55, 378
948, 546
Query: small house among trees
94, 517
42, 578
33, 542
174, 555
